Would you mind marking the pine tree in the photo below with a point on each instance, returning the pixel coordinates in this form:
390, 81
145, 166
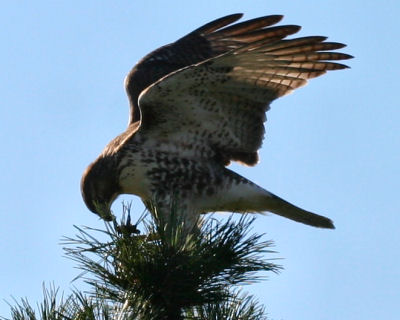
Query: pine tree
164, 273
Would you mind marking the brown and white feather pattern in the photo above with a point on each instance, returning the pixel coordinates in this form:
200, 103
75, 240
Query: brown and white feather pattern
224, 99
198, 104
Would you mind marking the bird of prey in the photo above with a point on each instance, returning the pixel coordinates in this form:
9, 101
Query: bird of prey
196, 105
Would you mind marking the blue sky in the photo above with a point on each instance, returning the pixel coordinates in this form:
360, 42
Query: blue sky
332, 147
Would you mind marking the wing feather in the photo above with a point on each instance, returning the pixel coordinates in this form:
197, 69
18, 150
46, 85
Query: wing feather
220, 103
249, 25
217, 24
214, 38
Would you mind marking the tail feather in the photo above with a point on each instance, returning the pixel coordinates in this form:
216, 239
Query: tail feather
237, 194
285, 209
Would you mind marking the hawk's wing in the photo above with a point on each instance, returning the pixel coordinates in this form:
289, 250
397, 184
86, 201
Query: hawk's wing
220, 103
210, 40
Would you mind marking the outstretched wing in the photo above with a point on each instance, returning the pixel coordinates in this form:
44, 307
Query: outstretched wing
206, 42
220, 103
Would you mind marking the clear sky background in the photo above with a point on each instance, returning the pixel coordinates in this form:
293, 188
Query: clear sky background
332, 147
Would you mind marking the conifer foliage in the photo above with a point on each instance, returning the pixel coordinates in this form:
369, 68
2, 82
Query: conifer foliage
163, 273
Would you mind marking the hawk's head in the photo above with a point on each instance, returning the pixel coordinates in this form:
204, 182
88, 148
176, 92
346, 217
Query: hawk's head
100, 187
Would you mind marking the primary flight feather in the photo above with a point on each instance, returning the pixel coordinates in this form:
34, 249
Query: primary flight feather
196, 105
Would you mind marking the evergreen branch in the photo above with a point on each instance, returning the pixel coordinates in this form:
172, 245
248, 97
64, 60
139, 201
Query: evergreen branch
159, 277
167, 273
238, 307
49, 309
77, 306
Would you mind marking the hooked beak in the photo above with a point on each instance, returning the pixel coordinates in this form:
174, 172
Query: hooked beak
104, 211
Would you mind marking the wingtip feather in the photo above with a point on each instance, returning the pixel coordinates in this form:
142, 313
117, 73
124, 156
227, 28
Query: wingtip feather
218, 23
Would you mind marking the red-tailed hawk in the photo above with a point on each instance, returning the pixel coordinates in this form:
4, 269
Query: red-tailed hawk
199, 103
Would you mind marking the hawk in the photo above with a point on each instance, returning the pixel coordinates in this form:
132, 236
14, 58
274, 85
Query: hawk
196, 105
